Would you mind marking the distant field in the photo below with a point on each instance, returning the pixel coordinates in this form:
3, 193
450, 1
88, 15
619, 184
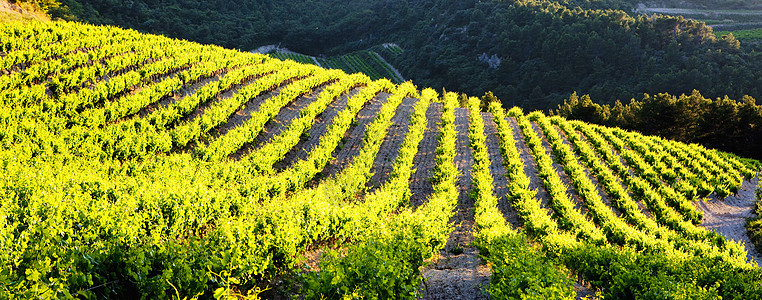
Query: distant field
706, 12
367, 62
749, 35
725, 19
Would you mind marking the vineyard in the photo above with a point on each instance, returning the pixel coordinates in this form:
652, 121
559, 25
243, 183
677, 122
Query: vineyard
136, 165
367, 62
748, 35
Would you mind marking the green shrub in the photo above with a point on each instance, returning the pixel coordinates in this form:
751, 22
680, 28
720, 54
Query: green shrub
520, 271
375, 269
627, 274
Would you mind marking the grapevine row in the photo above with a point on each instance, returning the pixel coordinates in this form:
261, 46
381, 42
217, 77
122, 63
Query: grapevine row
641, 190
301, 172
644, 162
132, 103
568, 217
518, 270
263, 159
136, 137
394, 252
536, 219
616, 229
245, 133
630, 211
314, 214
220, 111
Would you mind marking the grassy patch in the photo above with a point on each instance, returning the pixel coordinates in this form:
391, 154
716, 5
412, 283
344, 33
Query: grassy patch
743, 35
520, 270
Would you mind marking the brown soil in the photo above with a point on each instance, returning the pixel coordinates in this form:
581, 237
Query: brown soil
387, 155
322, 122
423, 162
350, 147
457, 276
458, 273
499, 173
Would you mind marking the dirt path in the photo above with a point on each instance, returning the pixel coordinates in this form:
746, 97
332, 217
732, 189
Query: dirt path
459, 273
396, 72
704, 12
384, 162
728, 216
499, 173
318, 129
740, 25
530, 166
423, 162
184, 92
280, 122
345, 153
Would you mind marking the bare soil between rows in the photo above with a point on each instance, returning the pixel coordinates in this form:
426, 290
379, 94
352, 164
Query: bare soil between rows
728, 216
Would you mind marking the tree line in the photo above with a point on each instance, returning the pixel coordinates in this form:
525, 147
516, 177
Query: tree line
721, 123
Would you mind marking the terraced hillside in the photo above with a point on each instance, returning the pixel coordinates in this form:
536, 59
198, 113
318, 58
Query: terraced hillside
137, 165
367, 62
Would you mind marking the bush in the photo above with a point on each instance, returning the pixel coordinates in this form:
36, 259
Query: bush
375, 269
628, 274
520, 271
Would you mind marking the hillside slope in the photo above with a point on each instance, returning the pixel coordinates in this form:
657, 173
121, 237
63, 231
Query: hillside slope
367, 62
138, 165
531, 54
10, 12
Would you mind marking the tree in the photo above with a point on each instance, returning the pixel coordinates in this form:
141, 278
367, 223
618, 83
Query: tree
487, 99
